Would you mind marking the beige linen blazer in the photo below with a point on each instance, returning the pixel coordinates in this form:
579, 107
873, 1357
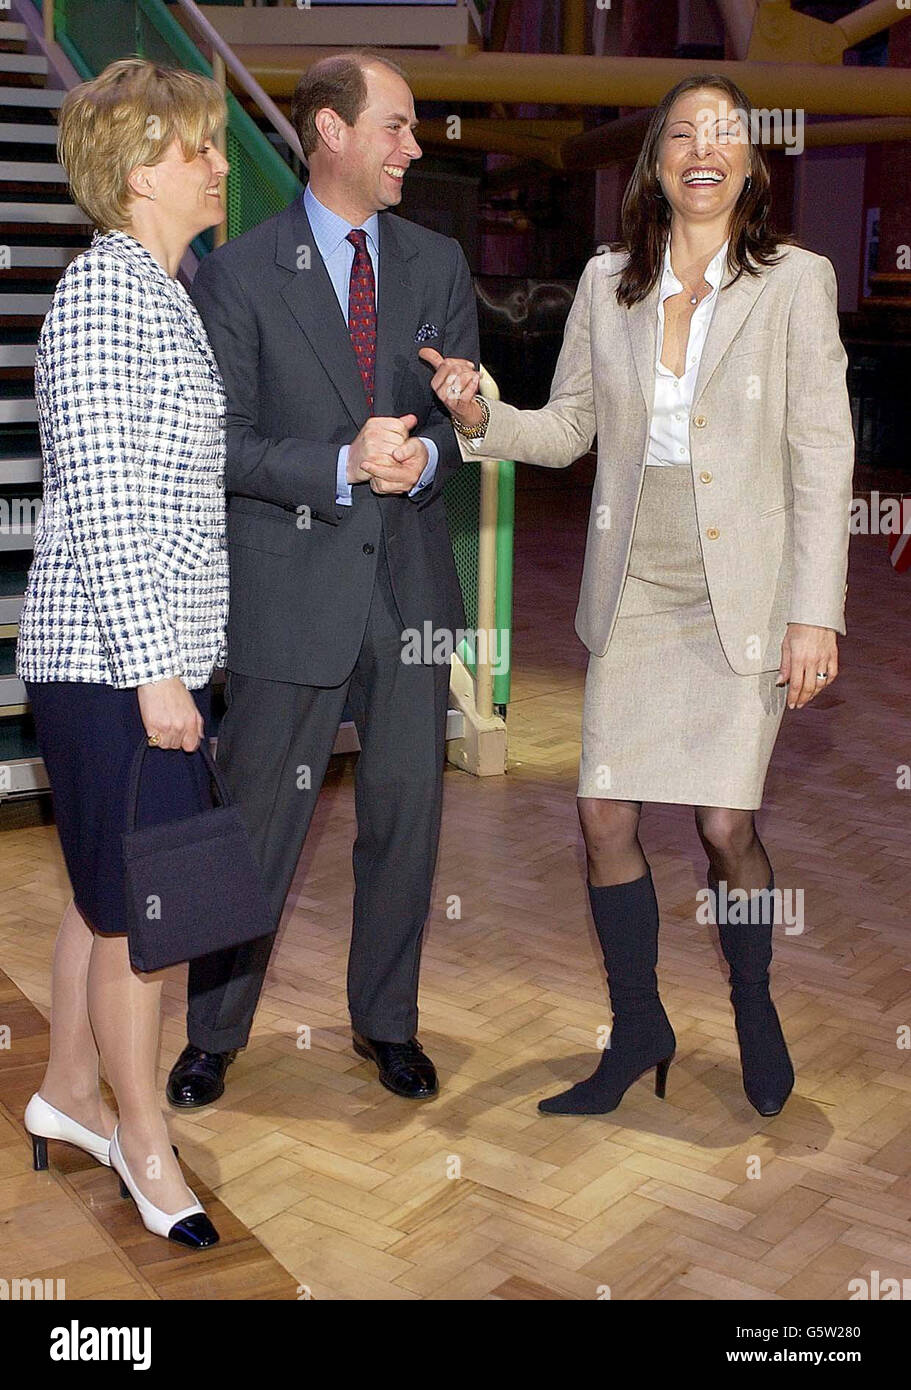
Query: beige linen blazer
771, 442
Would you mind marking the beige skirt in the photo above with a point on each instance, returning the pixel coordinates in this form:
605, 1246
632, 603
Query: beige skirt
665, 718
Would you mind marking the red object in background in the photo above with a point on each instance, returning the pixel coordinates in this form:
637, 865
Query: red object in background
900, 542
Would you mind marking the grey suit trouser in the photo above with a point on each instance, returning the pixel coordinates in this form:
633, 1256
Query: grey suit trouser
276, 738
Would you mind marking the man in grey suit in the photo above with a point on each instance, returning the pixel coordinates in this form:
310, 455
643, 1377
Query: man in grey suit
337, 456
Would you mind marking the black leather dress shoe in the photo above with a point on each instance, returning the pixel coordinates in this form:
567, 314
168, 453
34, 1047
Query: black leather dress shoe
405, 1068
197, 1078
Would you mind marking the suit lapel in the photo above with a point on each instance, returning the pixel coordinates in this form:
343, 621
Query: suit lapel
642, 326
396, 313
313, 302
731, 310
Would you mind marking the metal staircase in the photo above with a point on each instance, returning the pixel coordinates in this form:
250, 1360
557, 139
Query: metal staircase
40, 232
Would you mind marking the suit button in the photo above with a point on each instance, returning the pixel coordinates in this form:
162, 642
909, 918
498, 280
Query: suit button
705, 477
699, 421
368, 549
713, 533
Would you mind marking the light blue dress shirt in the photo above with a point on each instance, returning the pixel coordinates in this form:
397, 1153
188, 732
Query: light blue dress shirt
330, 234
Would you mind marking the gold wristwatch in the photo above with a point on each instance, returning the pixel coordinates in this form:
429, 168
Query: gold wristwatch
475, 431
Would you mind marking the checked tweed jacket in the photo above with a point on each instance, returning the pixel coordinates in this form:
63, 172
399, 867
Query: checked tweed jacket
129, 582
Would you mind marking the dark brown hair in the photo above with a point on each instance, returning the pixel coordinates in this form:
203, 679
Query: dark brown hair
646, 214
338, 82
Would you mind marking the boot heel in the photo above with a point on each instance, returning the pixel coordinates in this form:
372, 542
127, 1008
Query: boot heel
626, 920
39, 1153
661, 1076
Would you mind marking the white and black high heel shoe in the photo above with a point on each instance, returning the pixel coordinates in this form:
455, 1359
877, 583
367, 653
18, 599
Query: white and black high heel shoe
190, 1227
44, 1122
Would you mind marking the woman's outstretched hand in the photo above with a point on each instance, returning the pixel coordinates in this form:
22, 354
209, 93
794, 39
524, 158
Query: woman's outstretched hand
455, 382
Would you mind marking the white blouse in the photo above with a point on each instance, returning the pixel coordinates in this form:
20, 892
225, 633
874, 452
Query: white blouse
669, 430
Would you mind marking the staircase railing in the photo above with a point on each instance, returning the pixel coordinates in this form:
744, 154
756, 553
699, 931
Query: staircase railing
261, 182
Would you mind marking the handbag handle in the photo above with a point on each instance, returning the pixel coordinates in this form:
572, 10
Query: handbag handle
136, 772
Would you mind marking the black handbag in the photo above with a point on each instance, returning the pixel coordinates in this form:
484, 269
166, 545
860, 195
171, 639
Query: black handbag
192, 886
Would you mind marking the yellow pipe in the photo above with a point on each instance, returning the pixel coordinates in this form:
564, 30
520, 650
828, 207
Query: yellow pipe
574, 26
501, 137
604, 146
860, 132
869, 20
489, 502
570, 80
782, 34
545, 127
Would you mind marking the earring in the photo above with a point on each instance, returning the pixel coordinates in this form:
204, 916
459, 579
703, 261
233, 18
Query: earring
748, 182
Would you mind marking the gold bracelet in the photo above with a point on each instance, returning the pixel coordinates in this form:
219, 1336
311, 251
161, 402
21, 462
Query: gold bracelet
474, 431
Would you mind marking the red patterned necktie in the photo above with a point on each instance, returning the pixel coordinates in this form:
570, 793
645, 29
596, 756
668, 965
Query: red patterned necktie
362, 310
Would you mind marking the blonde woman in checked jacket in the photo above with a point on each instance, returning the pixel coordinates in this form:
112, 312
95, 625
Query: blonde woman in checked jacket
125, 611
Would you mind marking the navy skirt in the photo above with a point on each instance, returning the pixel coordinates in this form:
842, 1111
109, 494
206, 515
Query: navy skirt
88, 734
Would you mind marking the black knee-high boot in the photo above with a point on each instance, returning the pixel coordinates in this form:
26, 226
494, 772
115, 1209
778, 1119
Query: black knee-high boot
626, 920
768, 1076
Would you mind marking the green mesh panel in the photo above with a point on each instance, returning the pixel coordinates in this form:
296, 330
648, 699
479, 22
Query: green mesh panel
153, 45
252, 195
462, 496
260, 184
90, 45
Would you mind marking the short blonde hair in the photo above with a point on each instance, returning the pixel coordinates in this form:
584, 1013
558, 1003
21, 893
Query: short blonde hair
130, 115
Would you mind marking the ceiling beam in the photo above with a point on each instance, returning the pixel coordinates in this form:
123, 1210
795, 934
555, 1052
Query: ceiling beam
571, 80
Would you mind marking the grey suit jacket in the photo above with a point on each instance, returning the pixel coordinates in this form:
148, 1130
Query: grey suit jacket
771, 443
302, 567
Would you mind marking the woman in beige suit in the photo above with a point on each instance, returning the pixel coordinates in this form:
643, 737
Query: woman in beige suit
707, 359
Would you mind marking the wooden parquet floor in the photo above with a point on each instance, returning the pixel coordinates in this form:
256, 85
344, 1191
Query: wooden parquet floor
69, 1228
359, 1195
